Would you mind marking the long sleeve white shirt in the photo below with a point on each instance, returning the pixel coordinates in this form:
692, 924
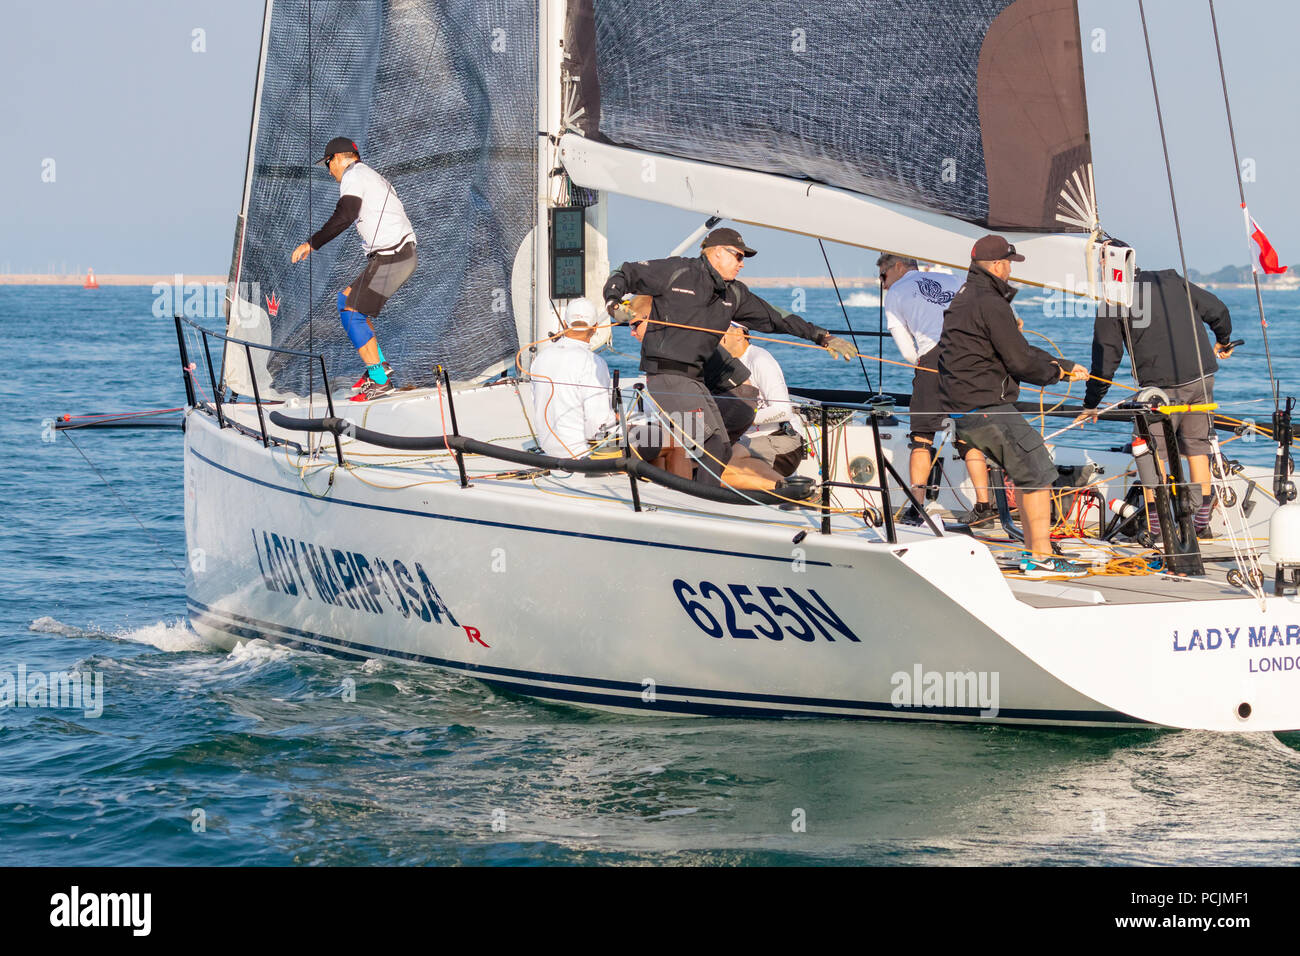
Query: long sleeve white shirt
571, 397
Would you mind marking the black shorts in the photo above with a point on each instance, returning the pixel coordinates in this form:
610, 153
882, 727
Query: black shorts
1192, 429
1002, 433
690, 407
379, 281
926, 417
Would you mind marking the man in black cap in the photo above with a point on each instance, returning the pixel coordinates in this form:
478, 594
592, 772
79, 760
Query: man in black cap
694, 300
983, 356
367, 199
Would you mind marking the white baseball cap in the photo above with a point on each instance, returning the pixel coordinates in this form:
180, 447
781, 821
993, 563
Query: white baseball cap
580, 312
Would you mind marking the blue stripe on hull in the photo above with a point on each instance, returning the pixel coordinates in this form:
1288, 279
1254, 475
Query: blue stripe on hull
585, 690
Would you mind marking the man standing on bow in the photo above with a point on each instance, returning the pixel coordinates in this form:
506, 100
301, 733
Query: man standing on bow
983, 356
367, 199
915, 302
694, 300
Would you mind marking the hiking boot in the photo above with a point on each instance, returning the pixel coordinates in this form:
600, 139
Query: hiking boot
983, 513
372, 390
1032, 567
360, 383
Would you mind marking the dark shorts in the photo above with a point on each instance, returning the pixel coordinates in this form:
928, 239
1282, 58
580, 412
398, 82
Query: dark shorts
380, 280
926, 417
737, 406
690, 406
1191, 428
1002, 433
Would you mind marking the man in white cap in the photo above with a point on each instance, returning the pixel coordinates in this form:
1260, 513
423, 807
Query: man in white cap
571, 387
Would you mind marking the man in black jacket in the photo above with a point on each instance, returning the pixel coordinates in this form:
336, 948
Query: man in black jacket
694, 301
1169, 349
983, 357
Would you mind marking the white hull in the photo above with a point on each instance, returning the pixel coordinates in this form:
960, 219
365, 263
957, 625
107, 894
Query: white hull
576, 597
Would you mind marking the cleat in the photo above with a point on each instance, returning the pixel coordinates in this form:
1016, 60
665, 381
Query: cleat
372, 390
1032, 567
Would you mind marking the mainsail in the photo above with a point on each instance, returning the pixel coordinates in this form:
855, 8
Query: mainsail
973, 109
441, 97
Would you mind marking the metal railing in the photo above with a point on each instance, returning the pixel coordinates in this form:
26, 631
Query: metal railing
218, 382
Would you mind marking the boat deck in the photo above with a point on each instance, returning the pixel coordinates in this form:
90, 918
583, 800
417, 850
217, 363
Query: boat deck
1136, 589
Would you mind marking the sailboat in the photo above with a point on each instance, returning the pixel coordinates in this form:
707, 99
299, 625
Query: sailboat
427, 527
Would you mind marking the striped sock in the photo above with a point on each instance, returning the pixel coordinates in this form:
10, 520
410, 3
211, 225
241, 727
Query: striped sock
1153, 520
1201, 520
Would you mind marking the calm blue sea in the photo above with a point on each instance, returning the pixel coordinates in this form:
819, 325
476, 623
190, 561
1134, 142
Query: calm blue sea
201, 757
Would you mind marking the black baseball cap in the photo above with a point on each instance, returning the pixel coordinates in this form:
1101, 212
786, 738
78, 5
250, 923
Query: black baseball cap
992, 248
727, 237
339, 144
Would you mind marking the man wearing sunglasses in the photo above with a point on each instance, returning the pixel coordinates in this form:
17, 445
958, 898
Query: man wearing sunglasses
694, 301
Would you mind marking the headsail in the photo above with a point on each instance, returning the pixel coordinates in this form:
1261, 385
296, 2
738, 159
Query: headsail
441, 97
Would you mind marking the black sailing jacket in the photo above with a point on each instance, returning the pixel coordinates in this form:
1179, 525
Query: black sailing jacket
690, 292
1165, 339
983, 356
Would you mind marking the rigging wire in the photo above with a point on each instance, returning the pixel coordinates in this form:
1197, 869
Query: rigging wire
852, 334
125, 506
1241, 192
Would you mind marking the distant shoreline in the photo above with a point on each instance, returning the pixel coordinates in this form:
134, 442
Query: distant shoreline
108, 279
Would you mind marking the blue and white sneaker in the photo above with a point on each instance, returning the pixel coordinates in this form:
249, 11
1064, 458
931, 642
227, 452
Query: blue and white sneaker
1032, 567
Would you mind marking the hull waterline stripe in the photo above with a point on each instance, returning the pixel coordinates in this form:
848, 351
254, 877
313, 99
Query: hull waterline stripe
502, 524
253, 628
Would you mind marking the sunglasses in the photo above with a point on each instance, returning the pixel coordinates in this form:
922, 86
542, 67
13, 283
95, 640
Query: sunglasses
740, 256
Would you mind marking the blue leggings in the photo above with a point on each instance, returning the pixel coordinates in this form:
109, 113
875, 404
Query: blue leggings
354, 323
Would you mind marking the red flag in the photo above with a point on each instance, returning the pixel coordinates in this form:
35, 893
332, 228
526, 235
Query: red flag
1264, 250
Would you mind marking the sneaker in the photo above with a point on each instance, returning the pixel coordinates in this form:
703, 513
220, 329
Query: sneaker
983, 513
1032, 567
360, 383
911, 517
372, 390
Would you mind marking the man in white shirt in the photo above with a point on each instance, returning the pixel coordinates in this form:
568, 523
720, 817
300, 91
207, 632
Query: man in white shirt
776, 436
914, 305
571, 387
367, 199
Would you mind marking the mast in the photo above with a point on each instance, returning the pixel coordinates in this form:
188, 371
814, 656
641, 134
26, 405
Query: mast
550, 27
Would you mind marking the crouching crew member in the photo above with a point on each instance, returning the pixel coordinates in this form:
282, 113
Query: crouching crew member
571, 387
776, 436
367, 199
694, 300
983, 356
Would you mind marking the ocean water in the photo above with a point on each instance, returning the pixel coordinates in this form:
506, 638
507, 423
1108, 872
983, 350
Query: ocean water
203, 757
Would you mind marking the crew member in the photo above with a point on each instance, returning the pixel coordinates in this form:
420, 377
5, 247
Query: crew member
775, 437
1164, 350
367, 199
914, 305
728, 380
983, 356
571, 387
694, 300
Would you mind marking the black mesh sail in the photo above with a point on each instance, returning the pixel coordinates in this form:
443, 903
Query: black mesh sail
970, 108
440, 96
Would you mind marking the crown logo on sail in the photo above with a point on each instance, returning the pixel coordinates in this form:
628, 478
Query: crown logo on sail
272, 305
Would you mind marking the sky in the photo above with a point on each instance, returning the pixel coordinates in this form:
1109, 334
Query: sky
125, 145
